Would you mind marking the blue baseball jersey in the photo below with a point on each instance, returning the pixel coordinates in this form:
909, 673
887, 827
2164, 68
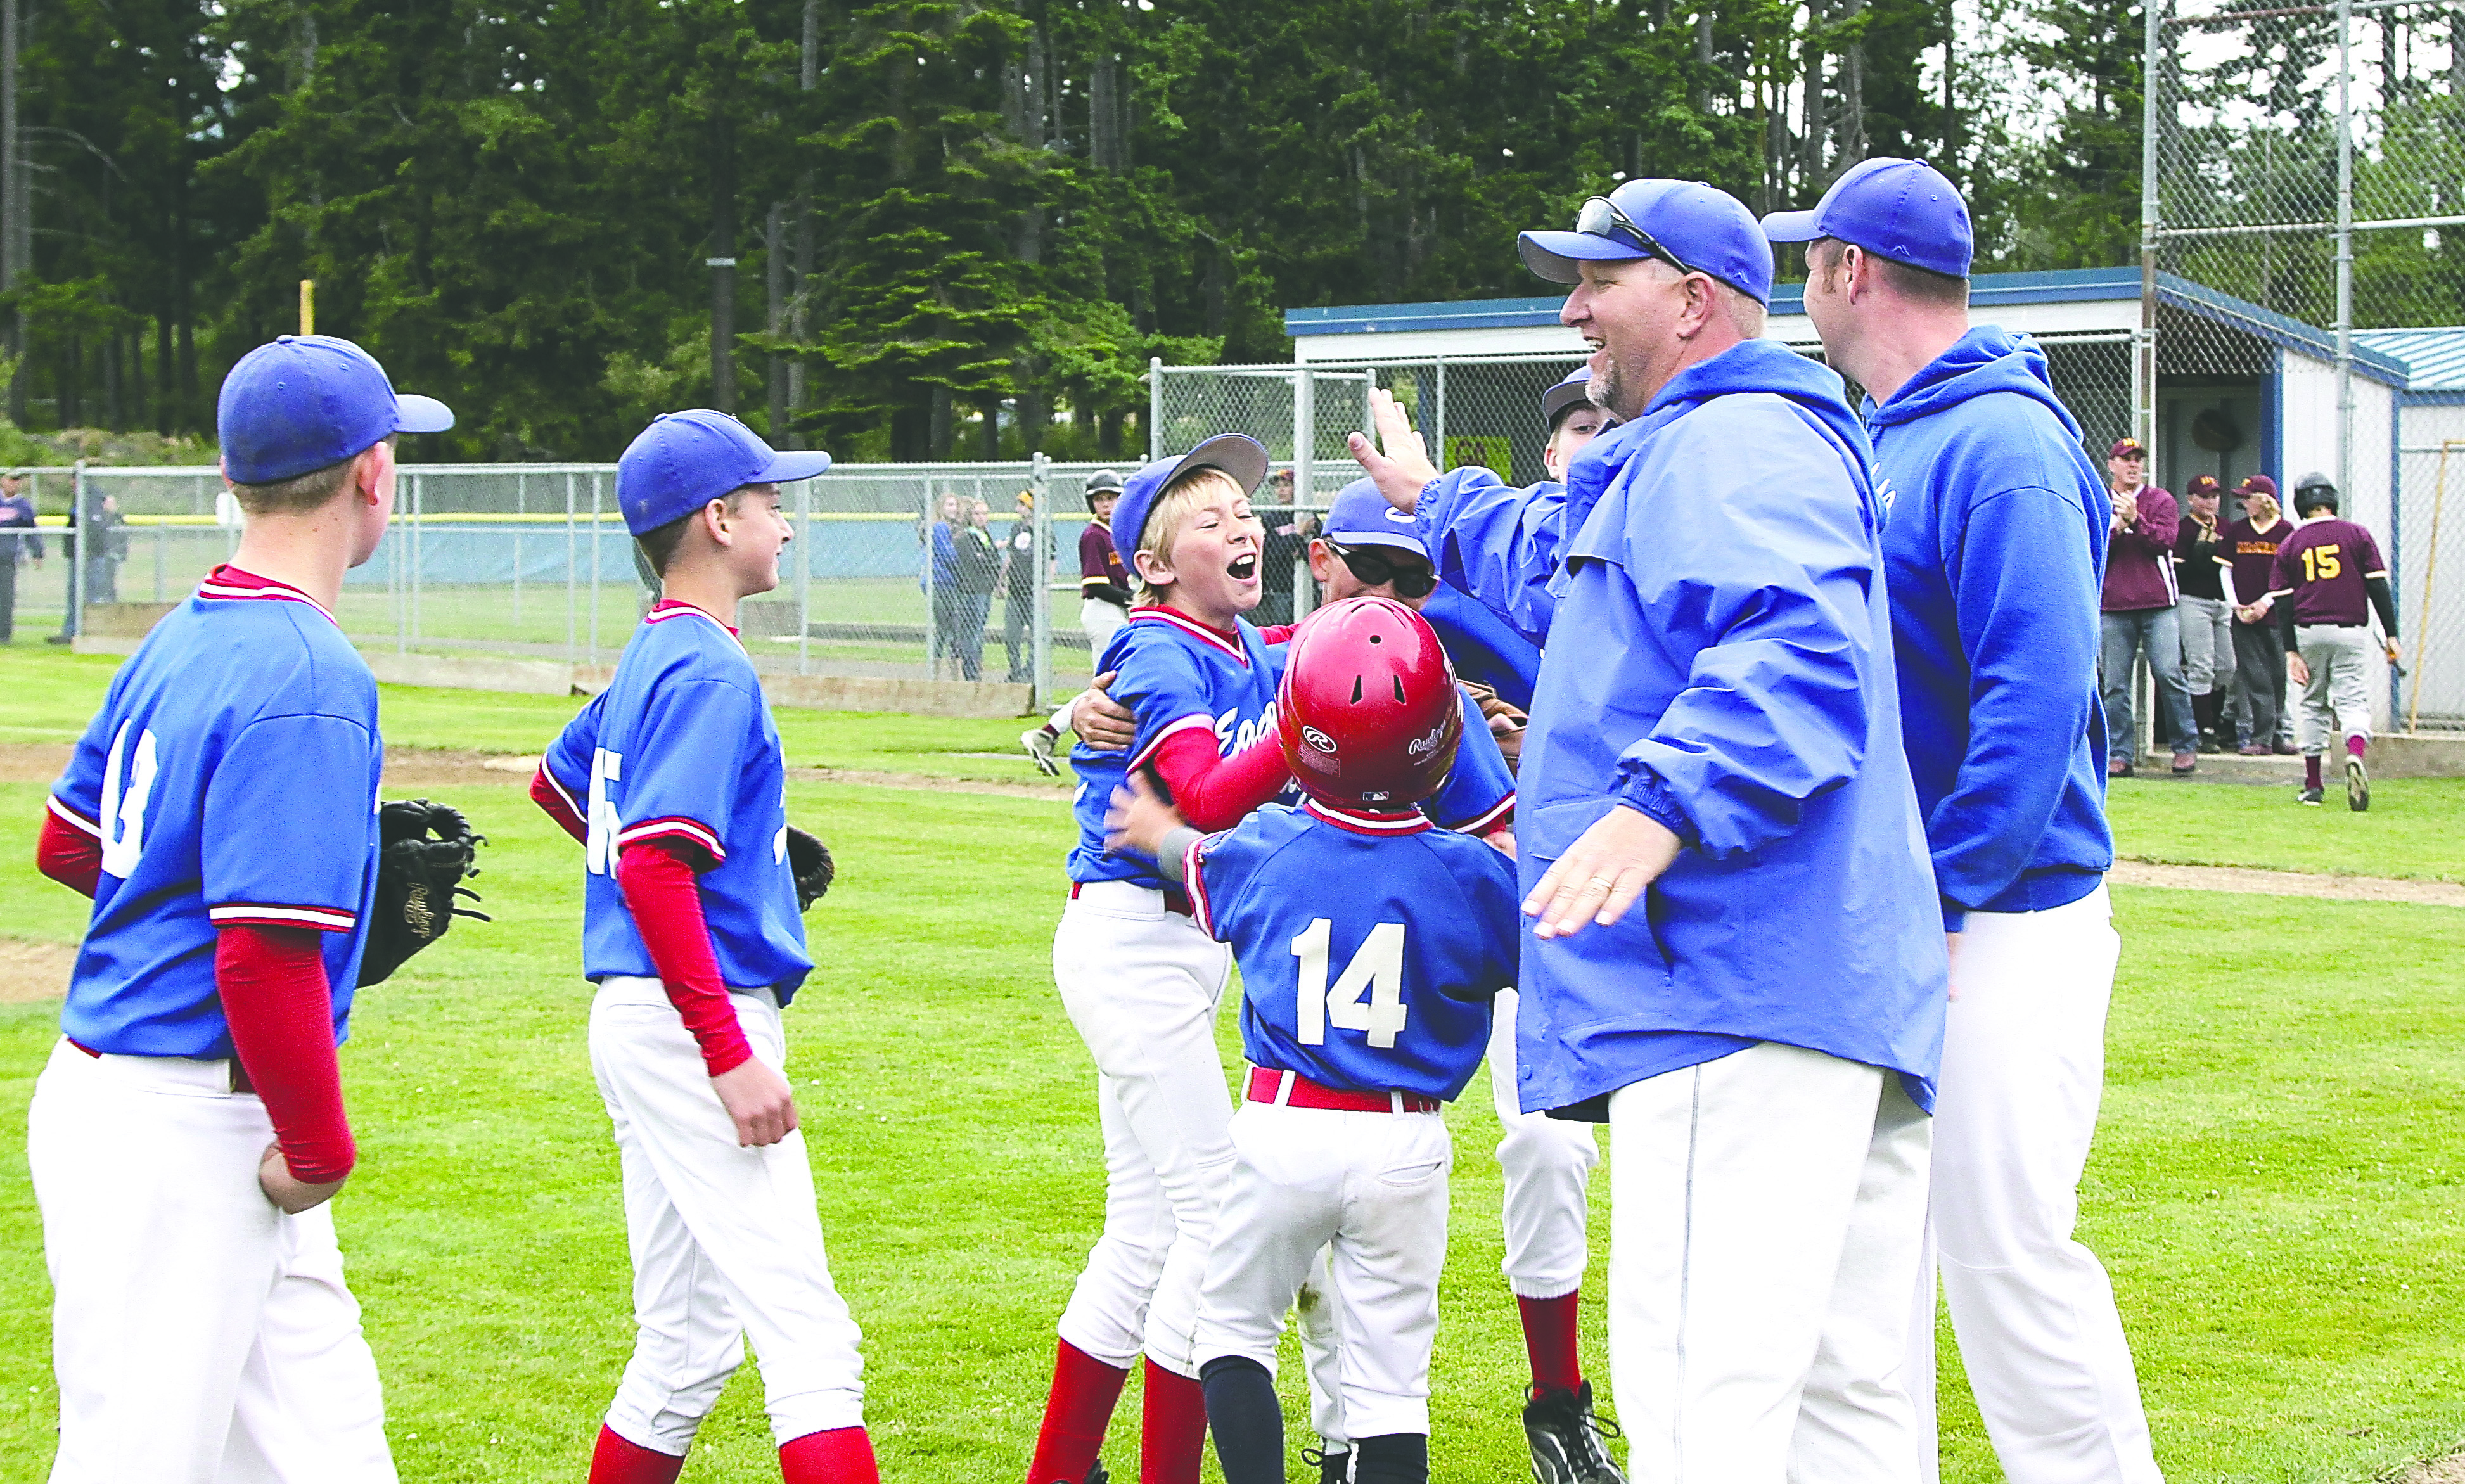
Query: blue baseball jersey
1368, 944
231, 779
682, 745
1175, 674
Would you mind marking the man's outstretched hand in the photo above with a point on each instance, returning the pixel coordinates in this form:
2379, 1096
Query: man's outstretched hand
1405, 467
1609, 866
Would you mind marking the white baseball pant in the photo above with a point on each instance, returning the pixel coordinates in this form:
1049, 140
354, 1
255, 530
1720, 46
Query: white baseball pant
2023, 1066
1360, 1198
1100, 620
2337, 702
725, 1241
1766, 1216
1549, 1167
1143, 986
199, 1335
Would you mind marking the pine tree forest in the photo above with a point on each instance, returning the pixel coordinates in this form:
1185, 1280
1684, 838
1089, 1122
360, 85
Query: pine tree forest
933, 229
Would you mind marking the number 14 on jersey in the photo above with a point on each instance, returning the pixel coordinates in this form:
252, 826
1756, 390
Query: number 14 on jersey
1377, 967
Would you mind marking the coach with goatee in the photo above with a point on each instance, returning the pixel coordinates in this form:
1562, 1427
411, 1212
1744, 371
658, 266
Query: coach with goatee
1735, 954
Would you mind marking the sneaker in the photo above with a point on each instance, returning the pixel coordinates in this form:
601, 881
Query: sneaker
1332, 1467
1039, 744
2186, 763
2358, 785
2253, 750
1566, 1438
2310, 796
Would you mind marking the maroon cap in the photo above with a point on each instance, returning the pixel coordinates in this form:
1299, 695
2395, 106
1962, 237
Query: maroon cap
2257, 484
2204, 484
2126, 448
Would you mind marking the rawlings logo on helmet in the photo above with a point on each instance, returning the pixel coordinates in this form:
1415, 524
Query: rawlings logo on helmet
1318, 738
1422, 747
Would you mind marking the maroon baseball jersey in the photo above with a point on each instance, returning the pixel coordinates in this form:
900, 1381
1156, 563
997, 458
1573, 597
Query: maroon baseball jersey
1098, 561
2252, 554
2323, 565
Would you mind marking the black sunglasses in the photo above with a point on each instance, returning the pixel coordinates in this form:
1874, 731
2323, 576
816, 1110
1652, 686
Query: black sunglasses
1411, 577
1600, 218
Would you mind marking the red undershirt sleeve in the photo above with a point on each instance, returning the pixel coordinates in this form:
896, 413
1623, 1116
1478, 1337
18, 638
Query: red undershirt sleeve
657, 878
1215, 792
551, 799
69, 855
271, 984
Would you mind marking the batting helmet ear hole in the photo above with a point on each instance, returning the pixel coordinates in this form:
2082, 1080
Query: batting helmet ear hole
1376, 639
1399, 687
1356, 690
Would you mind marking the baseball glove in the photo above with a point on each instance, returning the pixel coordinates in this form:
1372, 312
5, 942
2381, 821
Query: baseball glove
424, 853
810, 861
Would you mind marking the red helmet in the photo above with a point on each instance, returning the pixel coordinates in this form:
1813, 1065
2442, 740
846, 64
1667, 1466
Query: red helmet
1368, 709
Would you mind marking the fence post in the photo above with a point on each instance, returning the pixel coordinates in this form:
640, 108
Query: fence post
1304, 431
1436, 424
596, 543
804, 576
2143, 361
418, 554
1155, 408
2345, 249
571, 557
1039, 482
522, 487
76, 550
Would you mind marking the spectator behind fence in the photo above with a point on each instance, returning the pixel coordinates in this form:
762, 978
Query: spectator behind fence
942, 579
96, 562
19, 542
2203, 615
2138, 616
1022, 586
2247, 559
979, 575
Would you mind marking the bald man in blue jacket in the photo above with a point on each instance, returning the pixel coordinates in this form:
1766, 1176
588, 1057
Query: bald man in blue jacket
1734, 953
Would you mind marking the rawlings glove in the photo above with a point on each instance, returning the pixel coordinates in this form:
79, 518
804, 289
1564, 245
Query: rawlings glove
425, 851
810, 861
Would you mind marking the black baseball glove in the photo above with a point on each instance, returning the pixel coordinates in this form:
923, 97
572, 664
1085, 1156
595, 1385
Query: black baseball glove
810, 861
425, 851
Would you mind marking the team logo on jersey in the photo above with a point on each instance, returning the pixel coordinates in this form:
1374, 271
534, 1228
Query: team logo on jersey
1233, 734
1399, 517
1318, 738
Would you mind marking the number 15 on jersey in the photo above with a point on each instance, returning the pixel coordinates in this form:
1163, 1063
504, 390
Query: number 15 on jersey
1377, 967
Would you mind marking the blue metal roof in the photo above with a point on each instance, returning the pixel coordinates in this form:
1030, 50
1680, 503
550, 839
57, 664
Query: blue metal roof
2435, 357
2058, 286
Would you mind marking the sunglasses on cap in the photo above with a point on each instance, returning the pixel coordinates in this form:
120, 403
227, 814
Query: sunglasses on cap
1600, 218
1410, 578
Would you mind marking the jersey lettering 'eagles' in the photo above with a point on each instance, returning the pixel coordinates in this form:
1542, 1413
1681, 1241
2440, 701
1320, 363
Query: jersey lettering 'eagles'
245, 718
681, 746
1356, 936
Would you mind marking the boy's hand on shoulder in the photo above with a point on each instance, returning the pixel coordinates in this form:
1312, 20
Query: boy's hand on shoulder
757, 1097
1139, 818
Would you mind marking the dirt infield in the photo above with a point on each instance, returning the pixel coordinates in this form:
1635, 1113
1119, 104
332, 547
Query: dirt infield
34, 971
2287, 883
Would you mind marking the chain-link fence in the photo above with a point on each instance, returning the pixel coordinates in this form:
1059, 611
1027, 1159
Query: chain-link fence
898, 571
2305, 181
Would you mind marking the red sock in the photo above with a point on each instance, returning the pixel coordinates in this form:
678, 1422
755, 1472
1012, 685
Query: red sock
1173, 1428
619, 1461
1076, 1413
2356, 746
2311, 770
1549, 1338
839, 1455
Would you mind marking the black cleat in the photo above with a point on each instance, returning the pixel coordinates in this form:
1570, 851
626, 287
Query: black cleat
2310, 796
2358, 785
1332, 1467
1566, 1438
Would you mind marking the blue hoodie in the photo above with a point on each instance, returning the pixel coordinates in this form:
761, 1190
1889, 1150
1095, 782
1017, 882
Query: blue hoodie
1484, 648
1721, 661
1992, 553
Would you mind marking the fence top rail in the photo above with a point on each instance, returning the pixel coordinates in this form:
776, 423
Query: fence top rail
214, 472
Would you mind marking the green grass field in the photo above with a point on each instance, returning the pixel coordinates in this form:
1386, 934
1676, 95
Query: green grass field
2275, 1185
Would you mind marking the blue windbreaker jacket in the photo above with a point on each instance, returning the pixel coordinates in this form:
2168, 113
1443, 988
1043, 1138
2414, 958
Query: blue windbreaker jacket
1993, 555
1721, 660
1483, 649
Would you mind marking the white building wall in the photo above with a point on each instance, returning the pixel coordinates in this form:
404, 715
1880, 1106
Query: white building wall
2432, 604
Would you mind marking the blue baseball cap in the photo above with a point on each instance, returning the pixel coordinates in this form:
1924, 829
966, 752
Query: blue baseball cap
1362, 517
1700, 228
303, 402
1903, 210
1243, 457
684, 460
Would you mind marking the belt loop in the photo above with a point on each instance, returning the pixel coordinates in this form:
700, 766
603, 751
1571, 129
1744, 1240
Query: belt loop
1396, 1101
1284, 1088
